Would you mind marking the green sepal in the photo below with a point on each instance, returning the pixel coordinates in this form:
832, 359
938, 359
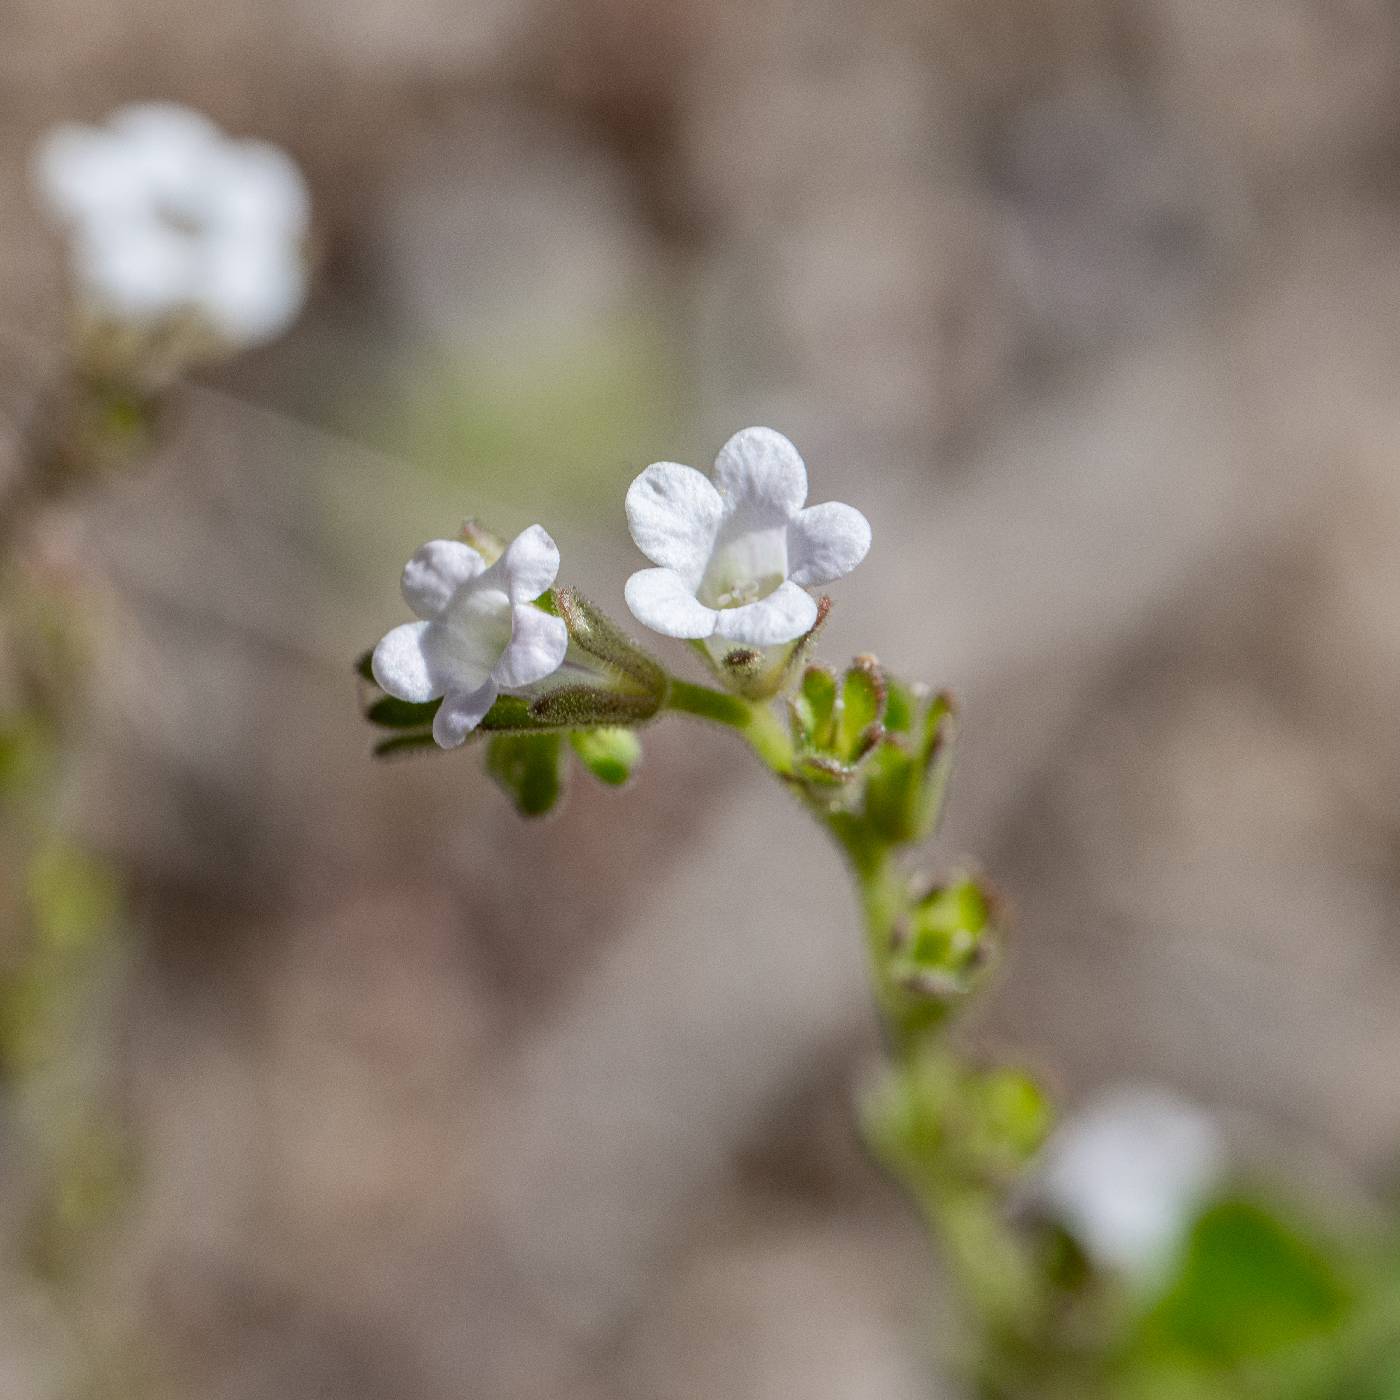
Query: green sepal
937, 1123
420, 741
824, 770
762, 673
610, 754
909, 775
813, 708
586, 707
486, 542
944, 942
862, 706
529, 769
391, 713
901, 705
364, 666
594, 632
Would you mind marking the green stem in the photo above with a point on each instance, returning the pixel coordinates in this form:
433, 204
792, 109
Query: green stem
756, 722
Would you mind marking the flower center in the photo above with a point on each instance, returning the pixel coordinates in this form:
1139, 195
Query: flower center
748, 590
745, 569
479, 620
179, 217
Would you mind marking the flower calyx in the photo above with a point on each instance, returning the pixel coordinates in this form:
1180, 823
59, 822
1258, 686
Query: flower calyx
836, 723
910, 764
946, 940
760, 673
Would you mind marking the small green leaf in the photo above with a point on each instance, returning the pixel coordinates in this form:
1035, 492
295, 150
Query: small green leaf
529, 768
364, 667
391, 713
610, 754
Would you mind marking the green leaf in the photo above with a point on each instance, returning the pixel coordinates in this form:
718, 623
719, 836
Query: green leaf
364, 665
1249, 1285
610, 754
391, 713
529, 768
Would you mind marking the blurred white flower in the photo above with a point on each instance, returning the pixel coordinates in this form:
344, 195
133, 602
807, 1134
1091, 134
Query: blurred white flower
168, 216
1127, 1173
481, 633
737, 555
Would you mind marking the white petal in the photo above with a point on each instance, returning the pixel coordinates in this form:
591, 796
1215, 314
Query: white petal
134, 269
660, 600
262, 191
530, 564
783, 616
537, 646
826, 542
83, 173
436, 572
460, 712
252, 287
401, 666
165, 126
176, 154
761, 477
674, 513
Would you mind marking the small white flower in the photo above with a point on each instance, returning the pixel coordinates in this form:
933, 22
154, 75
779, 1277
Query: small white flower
481, 633
1126, 1174
167, 216
736, 556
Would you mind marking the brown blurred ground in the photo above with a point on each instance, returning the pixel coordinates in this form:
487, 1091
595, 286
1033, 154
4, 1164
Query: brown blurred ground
1091, 306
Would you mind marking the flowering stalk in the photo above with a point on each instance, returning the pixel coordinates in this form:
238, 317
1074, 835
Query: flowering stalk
500, 654
1109, 1266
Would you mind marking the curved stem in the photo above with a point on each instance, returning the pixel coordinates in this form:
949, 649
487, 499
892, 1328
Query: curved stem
756, 722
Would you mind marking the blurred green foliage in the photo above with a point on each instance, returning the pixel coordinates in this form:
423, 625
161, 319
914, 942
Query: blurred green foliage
565, 421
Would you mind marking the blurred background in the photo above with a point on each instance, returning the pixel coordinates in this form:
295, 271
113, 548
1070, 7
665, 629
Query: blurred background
1092, 306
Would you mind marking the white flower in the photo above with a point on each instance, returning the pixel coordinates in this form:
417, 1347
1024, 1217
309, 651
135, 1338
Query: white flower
481, 633
167, 216
737, 555
1126, 1174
